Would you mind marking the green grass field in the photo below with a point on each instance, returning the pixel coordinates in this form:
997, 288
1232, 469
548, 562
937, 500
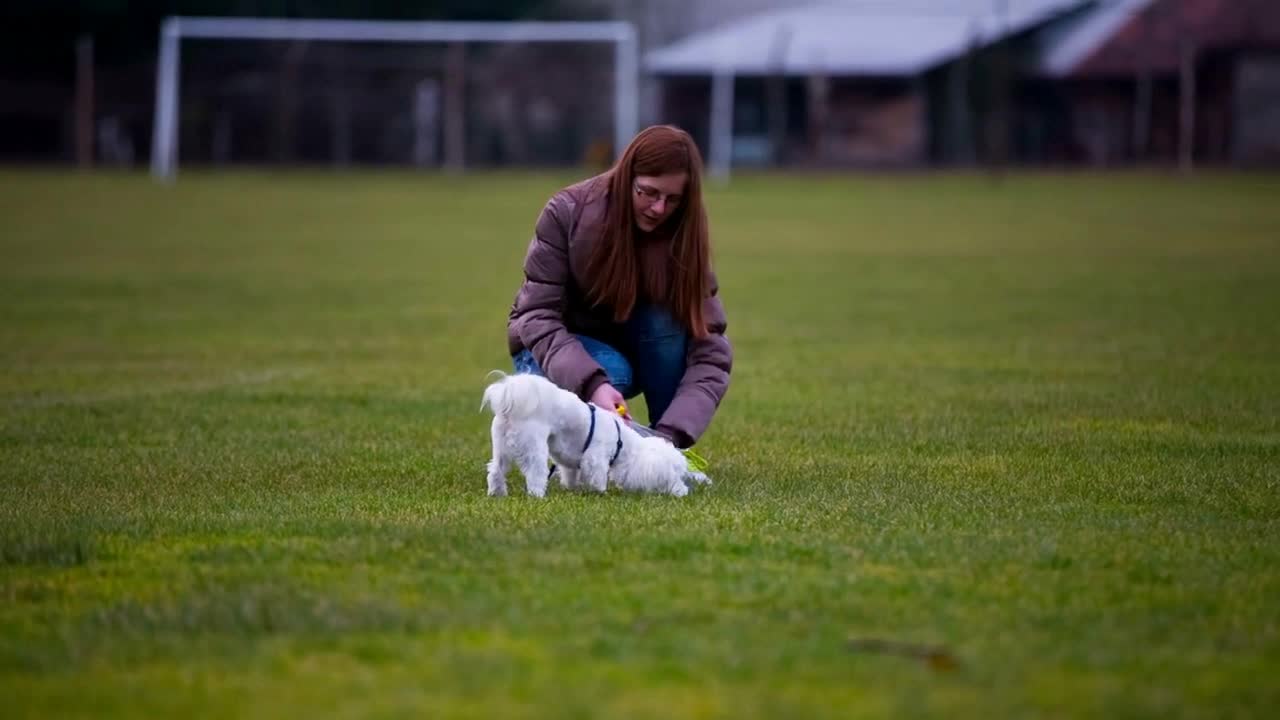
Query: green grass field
1034, 425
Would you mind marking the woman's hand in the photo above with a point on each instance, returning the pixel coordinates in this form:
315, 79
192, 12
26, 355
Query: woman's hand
608, 397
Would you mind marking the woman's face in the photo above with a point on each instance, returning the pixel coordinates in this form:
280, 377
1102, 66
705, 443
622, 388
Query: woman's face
655, 197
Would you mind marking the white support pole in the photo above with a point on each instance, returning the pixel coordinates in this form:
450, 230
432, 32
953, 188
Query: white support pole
625, 89
721, 123
164, 146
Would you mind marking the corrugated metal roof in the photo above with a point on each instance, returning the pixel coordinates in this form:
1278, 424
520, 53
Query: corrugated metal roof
1066, 48
1121, 37
871, 37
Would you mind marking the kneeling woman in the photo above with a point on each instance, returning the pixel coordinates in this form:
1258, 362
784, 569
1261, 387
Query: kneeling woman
619, 298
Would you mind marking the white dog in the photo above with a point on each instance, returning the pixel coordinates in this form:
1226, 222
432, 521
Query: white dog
534, 420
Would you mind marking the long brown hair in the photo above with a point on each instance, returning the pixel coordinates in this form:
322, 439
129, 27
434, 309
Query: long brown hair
613, 267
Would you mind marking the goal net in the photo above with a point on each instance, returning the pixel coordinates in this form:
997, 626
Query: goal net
410, 94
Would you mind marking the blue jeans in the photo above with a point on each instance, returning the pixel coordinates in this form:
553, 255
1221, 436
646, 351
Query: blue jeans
653, 362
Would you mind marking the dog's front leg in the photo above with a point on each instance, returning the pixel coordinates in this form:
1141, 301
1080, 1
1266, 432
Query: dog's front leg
569, 477
593, 472
696, 478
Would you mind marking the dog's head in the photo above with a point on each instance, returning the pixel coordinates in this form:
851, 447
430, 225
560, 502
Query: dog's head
654, 464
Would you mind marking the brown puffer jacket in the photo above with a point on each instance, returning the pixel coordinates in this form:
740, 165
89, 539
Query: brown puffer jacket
551, 307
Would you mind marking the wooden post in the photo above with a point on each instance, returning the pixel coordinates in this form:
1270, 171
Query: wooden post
84, 101
1142, 114
1186, 90
924, 120
776, 94
1142, 92
455, 111
1187, 94
961, 119
340, 139
1000, 122
220, 152
819, 90
340, 111
287, 109
777, 98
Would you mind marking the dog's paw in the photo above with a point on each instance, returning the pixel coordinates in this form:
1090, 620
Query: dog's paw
679, 490
696, 478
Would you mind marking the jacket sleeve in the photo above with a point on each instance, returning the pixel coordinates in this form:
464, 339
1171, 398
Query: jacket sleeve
706, 378
537, 316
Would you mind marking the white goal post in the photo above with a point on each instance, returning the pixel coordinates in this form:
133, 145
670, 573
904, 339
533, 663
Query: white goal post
164, 146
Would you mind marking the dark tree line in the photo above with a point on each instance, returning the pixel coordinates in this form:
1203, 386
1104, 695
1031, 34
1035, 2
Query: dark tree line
38, 37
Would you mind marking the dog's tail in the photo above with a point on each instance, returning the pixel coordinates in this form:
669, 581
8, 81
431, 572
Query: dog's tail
514, 396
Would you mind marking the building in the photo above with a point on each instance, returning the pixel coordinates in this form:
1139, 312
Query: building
959, 82
1119, 83
859, 83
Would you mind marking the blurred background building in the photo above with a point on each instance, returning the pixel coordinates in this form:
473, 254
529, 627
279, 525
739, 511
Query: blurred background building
852, 83
957, 82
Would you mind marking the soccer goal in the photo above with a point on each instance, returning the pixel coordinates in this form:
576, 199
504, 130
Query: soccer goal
356, 92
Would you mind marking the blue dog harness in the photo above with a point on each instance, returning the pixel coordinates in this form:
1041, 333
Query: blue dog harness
591, 433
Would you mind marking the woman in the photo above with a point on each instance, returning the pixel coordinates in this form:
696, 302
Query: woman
619, 297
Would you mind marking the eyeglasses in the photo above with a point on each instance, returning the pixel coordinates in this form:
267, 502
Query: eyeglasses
652, 195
